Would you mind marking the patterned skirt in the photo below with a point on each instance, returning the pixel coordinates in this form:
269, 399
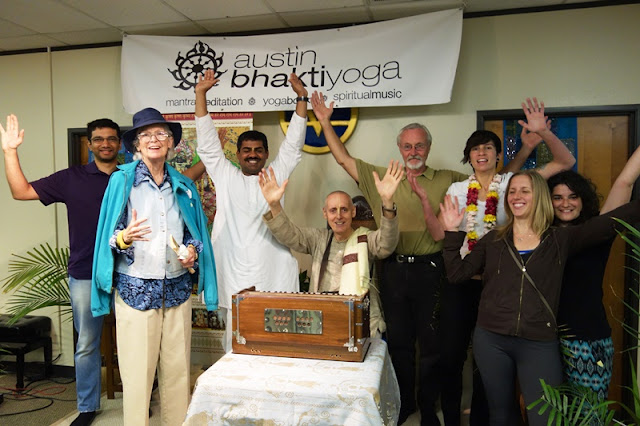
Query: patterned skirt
589, 363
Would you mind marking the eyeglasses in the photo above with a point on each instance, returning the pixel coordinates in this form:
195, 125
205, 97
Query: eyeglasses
161, 136
100, 139
409, 147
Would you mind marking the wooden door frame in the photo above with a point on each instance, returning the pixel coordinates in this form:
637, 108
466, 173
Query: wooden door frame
632, 111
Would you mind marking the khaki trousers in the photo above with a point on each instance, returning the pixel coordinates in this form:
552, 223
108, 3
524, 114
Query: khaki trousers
143, 339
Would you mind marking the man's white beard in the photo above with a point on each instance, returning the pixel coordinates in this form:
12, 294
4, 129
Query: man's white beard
415, 166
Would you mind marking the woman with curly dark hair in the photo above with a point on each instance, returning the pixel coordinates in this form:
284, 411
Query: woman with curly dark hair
583, 189
589, 360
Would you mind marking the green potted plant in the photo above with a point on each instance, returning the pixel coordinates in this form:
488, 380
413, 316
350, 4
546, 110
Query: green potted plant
38, 279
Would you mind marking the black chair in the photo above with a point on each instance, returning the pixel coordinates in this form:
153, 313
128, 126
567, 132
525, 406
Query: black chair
26, 335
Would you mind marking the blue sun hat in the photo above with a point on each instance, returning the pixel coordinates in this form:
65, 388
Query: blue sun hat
147, 117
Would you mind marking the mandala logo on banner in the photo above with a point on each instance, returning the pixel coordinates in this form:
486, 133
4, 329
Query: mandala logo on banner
343, 120
193, 64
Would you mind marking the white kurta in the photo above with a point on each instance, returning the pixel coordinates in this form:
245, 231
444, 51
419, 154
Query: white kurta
246, 253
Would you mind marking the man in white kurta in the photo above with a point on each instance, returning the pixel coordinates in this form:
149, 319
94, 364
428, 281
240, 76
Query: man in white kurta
246, 253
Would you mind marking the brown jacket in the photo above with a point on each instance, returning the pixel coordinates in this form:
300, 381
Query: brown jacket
509, 305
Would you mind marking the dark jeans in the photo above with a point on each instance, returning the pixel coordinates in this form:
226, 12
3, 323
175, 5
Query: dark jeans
410, 293
500, 358
458, 314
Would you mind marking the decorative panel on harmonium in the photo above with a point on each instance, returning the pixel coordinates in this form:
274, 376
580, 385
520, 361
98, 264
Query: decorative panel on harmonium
301, 325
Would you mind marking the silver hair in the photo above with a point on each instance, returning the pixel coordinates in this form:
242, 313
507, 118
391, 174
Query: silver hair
412, 126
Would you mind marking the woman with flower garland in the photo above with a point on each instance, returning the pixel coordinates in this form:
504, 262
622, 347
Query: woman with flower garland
483, 196
589, 362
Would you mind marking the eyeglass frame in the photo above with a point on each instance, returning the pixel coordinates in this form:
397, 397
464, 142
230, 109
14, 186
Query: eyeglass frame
406, 147
100, 139
165, 136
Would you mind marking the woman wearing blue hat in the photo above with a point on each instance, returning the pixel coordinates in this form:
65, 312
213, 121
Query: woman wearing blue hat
148, 209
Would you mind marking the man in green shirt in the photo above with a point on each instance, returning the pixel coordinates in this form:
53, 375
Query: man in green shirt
413, 275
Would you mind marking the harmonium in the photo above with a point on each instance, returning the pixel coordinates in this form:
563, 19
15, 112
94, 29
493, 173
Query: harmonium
301, 325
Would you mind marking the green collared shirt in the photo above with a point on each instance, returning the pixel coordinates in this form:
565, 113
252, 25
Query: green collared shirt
414, 236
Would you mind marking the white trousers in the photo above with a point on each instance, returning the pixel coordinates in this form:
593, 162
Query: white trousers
228, 329
148, 339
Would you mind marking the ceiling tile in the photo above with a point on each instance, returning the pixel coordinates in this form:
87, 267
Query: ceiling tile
120, 13
199, 10
9, 29
48, 16
297, 5
245, 24
382, 12
73, 22
170, 29
327, 17
101, 35
28, 42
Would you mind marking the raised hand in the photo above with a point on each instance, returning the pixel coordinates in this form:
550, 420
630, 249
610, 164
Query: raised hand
271, 191
12, 137
389, 183
450, 213
135, 231
297, 86
419, 190
206, 81
435, 228
536, 120
532, 139
320, 109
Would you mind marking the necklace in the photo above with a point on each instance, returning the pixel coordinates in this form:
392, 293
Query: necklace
522, 236
490, 208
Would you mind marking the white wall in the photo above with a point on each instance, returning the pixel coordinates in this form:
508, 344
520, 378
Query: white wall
568, 58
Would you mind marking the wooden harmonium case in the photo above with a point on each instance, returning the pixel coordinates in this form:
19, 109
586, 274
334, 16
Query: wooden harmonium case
301, 325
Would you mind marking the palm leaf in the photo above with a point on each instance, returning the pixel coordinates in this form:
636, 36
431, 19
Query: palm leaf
570, 404
634, 413
39, 280
43, 264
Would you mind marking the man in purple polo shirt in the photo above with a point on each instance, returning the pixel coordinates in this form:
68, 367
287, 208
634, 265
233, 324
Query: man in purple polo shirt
81, 188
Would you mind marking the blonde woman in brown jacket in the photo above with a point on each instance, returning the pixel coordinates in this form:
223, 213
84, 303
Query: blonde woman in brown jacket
522, 266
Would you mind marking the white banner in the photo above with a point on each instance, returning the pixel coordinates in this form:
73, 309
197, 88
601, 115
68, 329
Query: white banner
408, 61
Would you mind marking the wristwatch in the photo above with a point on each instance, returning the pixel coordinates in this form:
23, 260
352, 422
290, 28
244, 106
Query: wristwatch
302, 99
394, 209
